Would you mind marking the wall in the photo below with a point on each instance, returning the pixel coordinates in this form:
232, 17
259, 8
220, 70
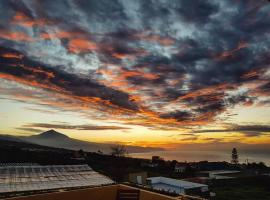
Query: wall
168, 188
97, 193
132, 177
147, 195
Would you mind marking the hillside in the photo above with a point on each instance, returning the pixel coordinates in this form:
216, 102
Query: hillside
52, 138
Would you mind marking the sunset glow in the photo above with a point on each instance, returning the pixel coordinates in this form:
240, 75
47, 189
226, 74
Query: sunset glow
152, 74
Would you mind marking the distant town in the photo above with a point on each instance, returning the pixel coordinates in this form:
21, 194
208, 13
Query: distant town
202, 180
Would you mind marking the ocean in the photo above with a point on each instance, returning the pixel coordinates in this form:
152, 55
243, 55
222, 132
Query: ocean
195, 156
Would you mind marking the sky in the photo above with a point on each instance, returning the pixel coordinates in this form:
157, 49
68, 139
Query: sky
160, 73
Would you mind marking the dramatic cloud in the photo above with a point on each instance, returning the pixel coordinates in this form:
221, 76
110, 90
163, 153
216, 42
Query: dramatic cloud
158, 64
18, 68
72, 127
234, 128
247, 130
32, 130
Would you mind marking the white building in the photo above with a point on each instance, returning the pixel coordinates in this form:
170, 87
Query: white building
175, 186
222, 174
180, 168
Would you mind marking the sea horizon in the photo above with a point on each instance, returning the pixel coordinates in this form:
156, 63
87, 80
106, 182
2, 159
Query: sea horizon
211, 156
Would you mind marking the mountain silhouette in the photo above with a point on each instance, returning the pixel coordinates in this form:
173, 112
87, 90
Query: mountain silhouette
52, 138
51, 134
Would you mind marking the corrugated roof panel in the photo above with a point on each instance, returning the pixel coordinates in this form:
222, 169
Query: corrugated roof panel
34, 177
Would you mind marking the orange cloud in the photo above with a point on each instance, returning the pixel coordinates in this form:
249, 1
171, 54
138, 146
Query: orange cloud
80, 45
229, 53
47, 98
164, 41
105, 72
23, 20
128, 52
69, 101
130, 73
250, 74
254, 73
77, 41
150, 76
15, 35
12, 55
248, 103
118, 78
122, 55
128, 55
60, 35
261, 90
34, 70
207, 117
161, 40
29, 80
207, 91
40, 71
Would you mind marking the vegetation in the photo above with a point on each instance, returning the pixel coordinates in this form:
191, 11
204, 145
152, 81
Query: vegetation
119, 150
234, 156
249, 188
19, 152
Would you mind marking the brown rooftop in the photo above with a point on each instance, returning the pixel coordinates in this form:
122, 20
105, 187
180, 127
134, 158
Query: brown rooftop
100, 193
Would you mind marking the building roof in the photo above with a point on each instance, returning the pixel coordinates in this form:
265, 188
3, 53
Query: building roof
176, 182
223, 177
219, 172
35, 177
180, 166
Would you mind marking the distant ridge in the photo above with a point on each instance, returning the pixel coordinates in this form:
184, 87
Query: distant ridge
52, 138
11, 138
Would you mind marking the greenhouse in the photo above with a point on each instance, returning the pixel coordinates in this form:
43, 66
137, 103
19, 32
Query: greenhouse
35, 177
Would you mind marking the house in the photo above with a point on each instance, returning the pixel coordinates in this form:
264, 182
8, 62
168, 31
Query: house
180, 167
220, 174
156, 158
149, 164
79, 155
203, 180
207, 166
156, 161
176, 186
138, 178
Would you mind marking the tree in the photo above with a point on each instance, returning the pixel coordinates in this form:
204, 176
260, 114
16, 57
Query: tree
234, 156
119, 150
99, 152
81, 153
